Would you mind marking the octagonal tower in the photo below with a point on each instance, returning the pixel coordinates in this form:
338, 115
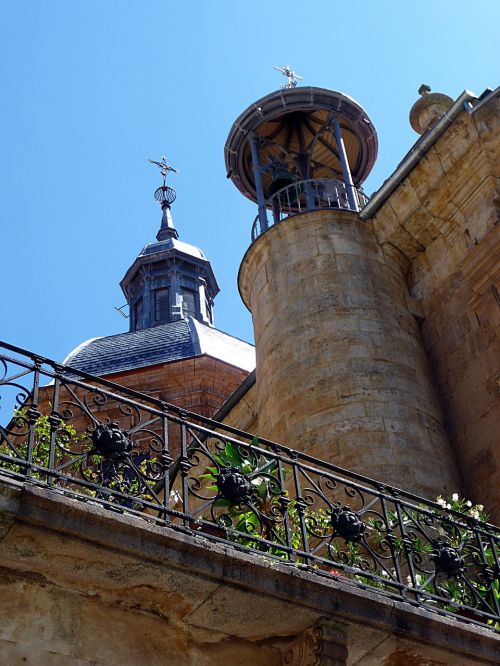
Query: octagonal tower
341, 371
170, 279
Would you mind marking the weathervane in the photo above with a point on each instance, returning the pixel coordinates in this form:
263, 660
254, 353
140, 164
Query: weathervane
290, 75
164, 168
164, 195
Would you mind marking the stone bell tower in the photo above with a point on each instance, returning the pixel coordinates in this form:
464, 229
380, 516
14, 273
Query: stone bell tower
341, 370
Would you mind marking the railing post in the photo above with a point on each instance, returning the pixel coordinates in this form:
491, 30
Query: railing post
351, 191
184, 467
284, 503
301, 505
310, 200
54, 421
33, 415
166, 464
257, 172
276, 208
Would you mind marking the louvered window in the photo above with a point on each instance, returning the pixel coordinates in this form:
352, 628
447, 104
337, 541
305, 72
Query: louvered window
162, 306
189, 302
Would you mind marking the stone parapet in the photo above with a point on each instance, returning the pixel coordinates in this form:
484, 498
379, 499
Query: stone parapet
85, 586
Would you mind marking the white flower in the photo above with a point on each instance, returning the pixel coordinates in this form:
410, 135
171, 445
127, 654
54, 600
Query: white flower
448, 506
454, 497
479, 507
385, 574
418, 580
468, 503
441, 502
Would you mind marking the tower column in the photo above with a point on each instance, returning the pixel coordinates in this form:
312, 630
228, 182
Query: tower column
346, 171
261, 200
341, 371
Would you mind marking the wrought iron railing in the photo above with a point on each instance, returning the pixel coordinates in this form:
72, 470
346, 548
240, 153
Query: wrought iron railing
308, 195
100, 442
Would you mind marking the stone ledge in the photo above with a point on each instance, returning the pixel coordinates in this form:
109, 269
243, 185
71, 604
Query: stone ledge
222, 578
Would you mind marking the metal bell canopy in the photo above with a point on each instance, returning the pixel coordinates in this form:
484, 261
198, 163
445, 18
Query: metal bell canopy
299, 148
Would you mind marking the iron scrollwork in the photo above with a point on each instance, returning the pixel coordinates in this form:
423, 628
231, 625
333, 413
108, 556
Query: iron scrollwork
132, 453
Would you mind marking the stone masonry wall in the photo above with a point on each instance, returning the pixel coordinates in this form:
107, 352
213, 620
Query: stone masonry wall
341, 371
444, 218
244, 414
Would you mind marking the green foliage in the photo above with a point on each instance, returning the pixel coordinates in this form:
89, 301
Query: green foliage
265, 517
73, 452
64, 434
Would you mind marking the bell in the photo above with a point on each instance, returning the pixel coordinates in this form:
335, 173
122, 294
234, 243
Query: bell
281, 177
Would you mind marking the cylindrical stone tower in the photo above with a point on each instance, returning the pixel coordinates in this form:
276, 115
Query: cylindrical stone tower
341, 371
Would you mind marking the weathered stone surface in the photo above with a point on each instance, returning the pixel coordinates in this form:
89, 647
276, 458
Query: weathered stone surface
341, 371
94, 587
449, 204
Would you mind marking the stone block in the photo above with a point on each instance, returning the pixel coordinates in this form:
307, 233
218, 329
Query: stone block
44, 618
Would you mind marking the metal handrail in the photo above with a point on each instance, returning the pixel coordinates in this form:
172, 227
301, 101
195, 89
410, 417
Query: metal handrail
97, 441
307, 195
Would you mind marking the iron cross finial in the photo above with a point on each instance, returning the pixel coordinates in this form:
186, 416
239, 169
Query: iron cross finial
164, 167
290, 76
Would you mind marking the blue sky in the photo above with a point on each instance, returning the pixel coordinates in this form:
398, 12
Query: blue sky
91, 89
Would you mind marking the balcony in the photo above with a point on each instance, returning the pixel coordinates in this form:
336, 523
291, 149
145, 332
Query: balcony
308, 195
101, 444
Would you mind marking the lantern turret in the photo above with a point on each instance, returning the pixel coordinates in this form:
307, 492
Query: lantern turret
170, 279
301, 149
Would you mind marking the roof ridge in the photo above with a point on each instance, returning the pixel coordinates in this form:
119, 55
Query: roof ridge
79, 348
214, 329
195, 336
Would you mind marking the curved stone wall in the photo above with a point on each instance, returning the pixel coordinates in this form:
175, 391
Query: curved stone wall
341, 371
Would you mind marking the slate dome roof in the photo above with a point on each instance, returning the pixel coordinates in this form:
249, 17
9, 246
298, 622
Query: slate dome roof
150, 346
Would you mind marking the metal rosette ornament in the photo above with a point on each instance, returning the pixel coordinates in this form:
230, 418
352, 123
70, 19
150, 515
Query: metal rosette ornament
111, 441
234, 486
165, 195
347, 524
448, 560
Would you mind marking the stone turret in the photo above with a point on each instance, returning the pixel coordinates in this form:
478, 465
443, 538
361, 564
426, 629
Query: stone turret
341, 370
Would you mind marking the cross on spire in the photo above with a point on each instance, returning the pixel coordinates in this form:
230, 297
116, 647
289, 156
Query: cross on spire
164, 167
